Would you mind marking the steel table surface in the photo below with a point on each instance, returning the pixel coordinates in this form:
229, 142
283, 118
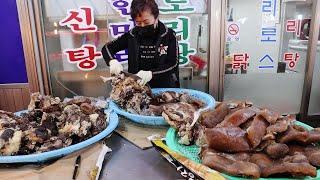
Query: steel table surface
127, 161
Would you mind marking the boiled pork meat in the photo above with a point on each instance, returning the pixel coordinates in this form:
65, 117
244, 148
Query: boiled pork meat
211, 118
228, 164
180, 116
262, 134
293, 169
277, 150
257, 130
229, 139
237, 118
294, 134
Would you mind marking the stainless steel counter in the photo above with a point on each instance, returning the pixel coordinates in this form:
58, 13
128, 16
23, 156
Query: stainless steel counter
127, 161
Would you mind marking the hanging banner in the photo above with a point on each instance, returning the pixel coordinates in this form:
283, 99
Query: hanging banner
81, 21
180, 24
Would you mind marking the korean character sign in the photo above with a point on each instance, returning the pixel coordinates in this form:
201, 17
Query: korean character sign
119, 28
185, 52
270, 12
121, 6
269, 18
294, 25
291, 59
85, 57
240, 60
176, 7
268, 34
80, 20
266, 62
181, 25
116, 30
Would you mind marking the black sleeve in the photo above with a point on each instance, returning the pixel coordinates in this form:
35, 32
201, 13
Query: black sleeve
112, 47
167, 65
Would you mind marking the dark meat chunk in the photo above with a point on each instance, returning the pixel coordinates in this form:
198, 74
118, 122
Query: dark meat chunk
237, 118
87, 108
130, 95
27, 147
257, 130
10, 143
270, 116
6, 114
293, 169
268, 137
313, 136
314, 158
180, 116
295, 148
296, 165
277, 150
45, 103
294, 134
236, 106
211, 118
198, 134
223, 163
262, 160
242, 156
247, 124
170, 97
79, 100
50, 123
7, 134
42, 134
54, 143
51, 108
264, 144
33, 116
98, 121
155, 110
312, 153
296, 158
281, 125
227, 139
190, 100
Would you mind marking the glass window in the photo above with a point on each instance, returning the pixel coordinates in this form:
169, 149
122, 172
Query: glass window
111, 17
314, 106
265, 52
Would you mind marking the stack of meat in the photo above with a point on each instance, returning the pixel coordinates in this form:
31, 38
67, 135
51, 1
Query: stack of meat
181, 111
129, 95
50, 124
242, 140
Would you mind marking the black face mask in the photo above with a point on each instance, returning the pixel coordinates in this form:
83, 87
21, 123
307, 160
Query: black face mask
148, 30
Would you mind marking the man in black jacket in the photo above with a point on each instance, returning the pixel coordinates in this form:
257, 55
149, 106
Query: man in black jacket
152, 47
